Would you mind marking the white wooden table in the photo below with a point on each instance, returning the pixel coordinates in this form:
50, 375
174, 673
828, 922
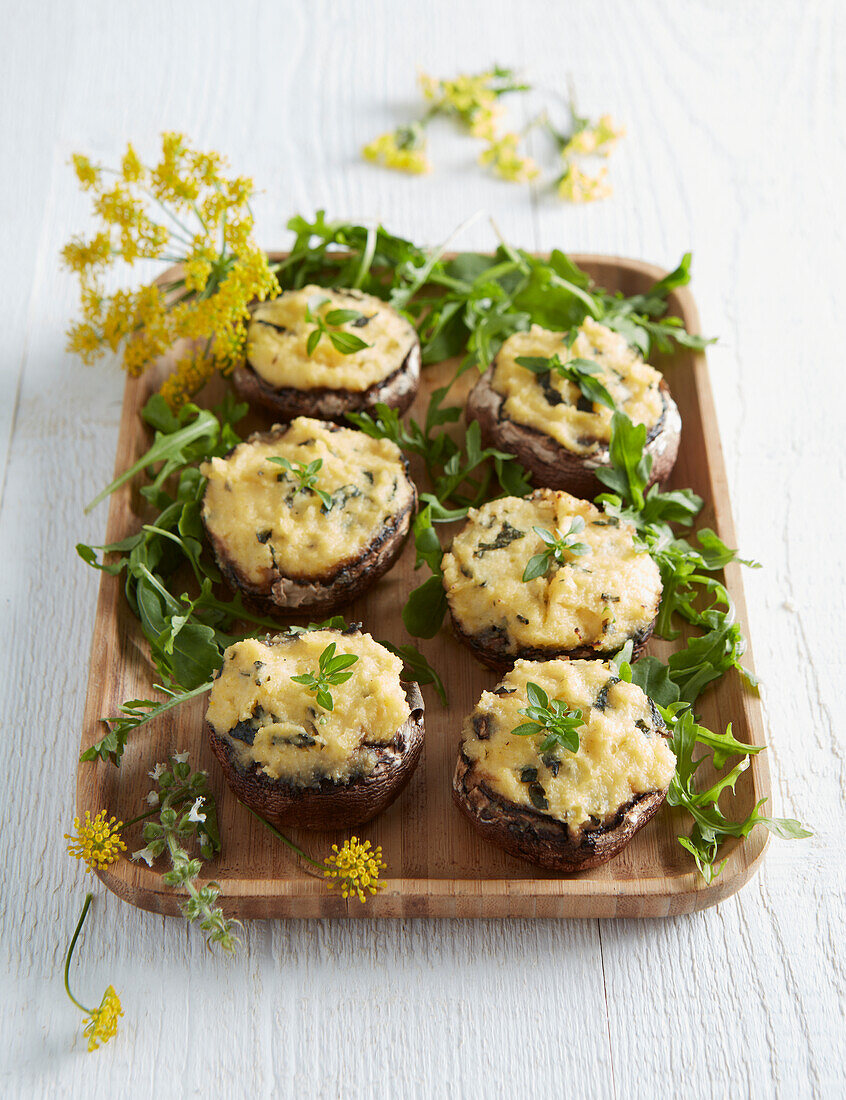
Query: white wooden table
735, 149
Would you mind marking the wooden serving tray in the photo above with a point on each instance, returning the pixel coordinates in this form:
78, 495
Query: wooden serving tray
437, 865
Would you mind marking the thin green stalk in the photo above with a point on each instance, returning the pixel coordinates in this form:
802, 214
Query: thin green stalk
88, 899
284, 839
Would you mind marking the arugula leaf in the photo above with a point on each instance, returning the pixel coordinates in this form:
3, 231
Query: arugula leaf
417, 667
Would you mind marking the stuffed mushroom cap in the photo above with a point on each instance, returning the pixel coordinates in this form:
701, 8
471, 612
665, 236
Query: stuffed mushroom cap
560, 435
602, 593
563, 810
307, 516
294, 759
372, 355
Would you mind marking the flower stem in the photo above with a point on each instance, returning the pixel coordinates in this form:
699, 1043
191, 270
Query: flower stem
88, 899
284, 839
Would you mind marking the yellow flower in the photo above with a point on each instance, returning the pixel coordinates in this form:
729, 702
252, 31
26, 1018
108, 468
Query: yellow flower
209, 229
356, 867
98, 842
599, 139
577, 186
101, 1025
86, 173
396, 149
502, 156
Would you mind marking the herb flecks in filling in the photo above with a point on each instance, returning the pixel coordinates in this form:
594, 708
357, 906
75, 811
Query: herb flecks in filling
617, 754
570, 394
280, 723
334, 493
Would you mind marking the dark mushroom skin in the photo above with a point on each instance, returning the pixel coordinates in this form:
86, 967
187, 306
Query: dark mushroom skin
589, 607
327, 804
540, 839
552, 465
325, 591
526, 831
398, 391
491, 648
396, 385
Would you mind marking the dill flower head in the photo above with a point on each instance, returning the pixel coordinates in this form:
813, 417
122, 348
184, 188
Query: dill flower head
101, 1024
205, 224
598, 139
502, 156
98, 842
355, 867
577, 186
403, 149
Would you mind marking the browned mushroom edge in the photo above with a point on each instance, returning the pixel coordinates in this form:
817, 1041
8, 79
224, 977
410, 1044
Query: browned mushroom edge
490, 646
552, 465
331, 805
534, 836
324, 592
287, 402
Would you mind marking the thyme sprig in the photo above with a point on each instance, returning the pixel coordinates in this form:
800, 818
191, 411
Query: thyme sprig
329, 325
552, 718
581, 372
174, 827
305, 477
331, 672
559, 549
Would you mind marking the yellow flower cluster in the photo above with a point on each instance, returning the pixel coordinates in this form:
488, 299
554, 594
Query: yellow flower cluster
596, 140
208, 231
356, 868
473, 99
393, 150
501, 155
101, 1024
577, 186
97, 843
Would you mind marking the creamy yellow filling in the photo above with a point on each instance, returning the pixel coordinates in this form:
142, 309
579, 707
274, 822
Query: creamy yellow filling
255, 699
599, 599
271, 527
278, 335
619, 757
550, 403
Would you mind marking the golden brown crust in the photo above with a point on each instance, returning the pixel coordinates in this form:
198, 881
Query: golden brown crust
331, 805
324, 592
287, 402
552, 465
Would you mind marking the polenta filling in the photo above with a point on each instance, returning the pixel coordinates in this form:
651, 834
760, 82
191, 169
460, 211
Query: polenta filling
277, 341
621, 754
270, 721
599, 598
271, 525
556, 406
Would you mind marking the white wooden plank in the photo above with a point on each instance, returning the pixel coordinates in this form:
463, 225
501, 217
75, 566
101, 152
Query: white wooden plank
730, 151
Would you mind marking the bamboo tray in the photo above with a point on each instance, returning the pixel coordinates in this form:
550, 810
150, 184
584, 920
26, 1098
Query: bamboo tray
437, 865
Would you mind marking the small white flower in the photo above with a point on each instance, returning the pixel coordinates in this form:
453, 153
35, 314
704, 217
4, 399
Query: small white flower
193, 814
180, 757
157, 771
153, 798
145, 854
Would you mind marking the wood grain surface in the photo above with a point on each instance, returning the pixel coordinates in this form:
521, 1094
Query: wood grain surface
437, 865
735, 151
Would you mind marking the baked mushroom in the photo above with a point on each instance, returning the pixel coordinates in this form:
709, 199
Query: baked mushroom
558, 428
326, 352
326, 757
306, 517
564, 810
548, 575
